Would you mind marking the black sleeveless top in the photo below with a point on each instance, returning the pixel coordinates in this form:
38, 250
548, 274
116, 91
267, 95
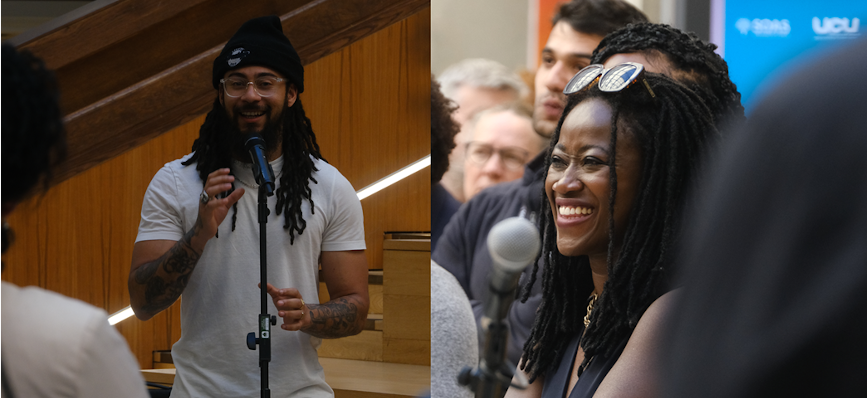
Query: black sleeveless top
557, 384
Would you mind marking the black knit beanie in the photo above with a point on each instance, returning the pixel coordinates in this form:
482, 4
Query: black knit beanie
260, 42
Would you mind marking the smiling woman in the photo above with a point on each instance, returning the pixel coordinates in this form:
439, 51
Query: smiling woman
618, 168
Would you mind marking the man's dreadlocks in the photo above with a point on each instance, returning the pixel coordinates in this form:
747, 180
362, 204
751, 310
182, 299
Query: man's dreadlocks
673, 130
213, 150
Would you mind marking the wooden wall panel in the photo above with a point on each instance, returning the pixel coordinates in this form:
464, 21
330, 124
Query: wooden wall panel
369, 107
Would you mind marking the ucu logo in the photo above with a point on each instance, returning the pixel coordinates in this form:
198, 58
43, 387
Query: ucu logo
833, 26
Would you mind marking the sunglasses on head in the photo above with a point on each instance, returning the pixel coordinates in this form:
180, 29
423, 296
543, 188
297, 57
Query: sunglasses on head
610, 80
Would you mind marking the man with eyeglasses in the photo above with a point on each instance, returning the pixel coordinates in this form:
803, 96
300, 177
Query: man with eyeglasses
315, 219
502, 142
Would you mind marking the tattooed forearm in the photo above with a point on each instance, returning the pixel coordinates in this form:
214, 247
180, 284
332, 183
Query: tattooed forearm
337, 318
159, 283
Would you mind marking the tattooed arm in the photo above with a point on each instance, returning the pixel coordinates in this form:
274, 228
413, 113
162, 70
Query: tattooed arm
345, 276
161, 268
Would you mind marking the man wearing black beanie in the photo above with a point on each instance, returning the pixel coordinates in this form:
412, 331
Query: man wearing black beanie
258, 77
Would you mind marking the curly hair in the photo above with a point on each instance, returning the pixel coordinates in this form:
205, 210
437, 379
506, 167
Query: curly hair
694, 63
34, 140
673, 130
442, 131
214, 147
598, 17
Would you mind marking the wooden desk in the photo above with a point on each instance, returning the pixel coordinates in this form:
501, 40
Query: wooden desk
351, 379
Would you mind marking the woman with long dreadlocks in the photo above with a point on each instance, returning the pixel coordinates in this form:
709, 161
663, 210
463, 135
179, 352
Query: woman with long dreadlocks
625, 151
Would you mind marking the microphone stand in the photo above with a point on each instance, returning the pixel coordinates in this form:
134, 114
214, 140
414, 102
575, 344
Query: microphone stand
514, 244
265, 320
494, 374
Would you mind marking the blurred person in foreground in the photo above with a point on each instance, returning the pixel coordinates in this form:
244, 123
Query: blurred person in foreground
619, 167
453, 328
463, 250
53, 346
775, 297
474, 85
502, 141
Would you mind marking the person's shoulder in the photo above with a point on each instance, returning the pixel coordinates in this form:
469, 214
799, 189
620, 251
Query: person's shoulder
499, 193
32, 303
661, 307
442, 278
176, 167
325, 171
178, 164
55, 301
495, 202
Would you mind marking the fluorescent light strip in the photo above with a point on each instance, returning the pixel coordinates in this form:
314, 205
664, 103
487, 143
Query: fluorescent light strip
120, 315
393, 178
363, 193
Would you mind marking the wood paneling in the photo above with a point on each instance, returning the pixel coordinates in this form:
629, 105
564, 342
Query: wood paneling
369, 106
134, 69
365, 346
413, 352
406, 302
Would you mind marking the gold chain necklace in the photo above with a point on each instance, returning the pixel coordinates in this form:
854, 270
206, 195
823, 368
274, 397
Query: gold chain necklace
590, 310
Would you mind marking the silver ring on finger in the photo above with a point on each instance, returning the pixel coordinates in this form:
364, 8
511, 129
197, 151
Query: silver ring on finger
204, 197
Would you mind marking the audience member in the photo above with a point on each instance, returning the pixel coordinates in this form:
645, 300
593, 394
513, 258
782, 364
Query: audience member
620, 164
680, 55
776, 248
474, 84
502, 141
53, 346
442, 132
578, 27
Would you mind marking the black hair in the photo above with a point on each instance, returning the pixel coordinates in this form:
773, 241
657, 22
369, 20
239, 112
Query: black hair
695, 63
598, 17
442, 130
34, 140
213, 150
673, 129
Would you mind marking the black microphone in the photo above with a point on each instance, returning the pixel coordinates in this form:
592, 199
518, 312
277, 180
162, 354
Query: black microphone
514, 244
261, 169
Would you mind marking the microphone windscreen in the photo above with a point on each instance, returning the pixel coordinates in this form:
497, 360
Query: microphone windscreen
514, 243
254, 140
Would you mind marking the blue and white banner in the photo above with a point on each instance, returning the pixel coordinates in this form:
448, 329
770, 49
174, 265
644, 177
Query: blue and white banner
764, 39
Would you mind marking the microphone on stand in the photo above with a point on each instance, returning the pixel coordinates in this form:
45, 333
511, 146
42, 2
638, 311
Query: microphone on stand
514, 244
261, 169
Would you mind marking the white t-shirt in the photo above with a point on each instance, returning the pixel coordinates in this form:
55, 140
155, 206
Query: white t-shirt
221, 302
55, 346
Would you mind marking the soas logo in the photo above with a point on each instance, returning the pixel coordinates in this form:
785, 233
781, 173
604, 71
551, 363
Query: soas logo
832, 26
764, 27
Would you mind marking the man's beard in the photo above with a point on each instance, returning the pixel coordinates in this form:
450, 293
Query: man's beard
272, 133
